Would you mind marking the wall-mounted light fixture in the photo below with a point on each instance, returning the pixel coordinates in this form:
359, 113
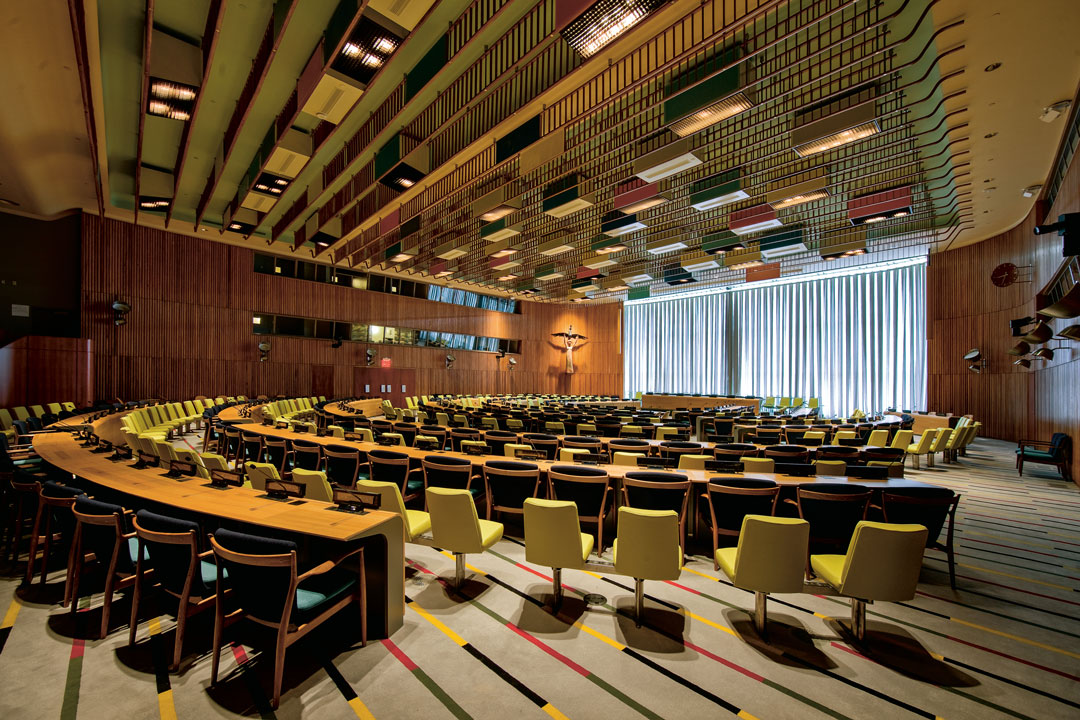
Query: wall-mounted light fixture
264, 351
120, 310
976, 362
371, 356
511, 364
450, 361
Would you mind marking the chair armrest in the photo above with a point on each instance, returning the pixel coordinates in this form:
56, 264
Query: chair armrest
206, 554
1032, 443
328, 565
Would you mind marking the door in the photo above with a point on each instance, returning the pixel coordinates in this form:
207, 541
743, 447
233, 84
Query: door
322, 380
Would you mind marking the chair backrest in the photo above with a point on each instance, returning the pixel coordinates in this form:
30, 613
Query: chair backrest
648, 544
629, 445
836, 468
626, 458
172, 545
587, 487
258, 473
838, 452
164, 450
925, 442
447, 472
390, 494
771, 555
879, 438
262, 572
787, 453
99, 526
656, 491
342, 464
926, 506
762, 465
901, 439
454, 523
317, 487
510, 484
733, 498
213, 461
832, 509
942, 439
883, 561
552, 533
307, 454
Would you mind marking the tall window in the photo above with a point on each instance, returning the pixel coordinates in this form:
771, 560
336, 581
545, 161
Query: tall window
854, 338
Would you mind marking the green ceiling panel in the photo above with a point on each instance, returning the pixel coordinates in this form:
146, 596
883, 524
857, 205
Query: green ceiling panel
388, 156
121, 29
338, 26
428, 66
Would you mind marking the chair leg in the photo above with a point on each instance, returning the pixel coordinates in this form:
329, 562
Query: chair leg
279, 666
952, 568
459, 570
29, 578
639, 600
556, 579
136, 596
178, 646
106, 608
760, 612
858, 619
219, 625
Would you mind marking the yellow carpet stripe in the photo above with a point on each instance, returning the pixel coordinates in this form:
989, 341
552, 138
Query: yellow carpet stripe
1012, 540
599, 636
11, 614
360, 709
554, 712
710, 623
598, 576
1036, 643
166, 707
696, 572
438, 623
746, 716
154, 626
476, 570
1014, 577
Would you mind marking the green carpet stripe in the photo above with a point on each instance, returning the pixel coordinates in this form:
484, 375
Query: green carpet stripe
801, 698
70, 707
447, 701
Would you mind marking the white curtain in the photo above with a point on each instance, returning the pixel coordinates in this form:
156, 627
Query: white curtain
854, 339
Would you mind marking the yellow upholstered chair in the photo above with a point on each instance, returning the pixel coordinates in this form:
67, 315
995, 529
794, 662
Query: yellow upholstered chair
857, 413
337, 431
761, 465
940, 445
647, 548
398, 439
914, 450
796, 402
957, 439
626, 458
770, 558
836, 468
844, 435
456, 527
510, 448
813, 403
693, 462
567, 454
818, 435
442, 419
164, 450
553, 538
489, 423
587, 429
514, 425
784, 404
213, 461
316, 486
901, 440
417, 522
258, 473
878, 438
555, 427
882, 563
664, 432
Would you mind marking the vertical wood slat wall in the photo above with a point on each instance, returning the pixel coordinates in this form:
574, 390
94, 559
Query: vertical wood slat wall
189, 330
965, 310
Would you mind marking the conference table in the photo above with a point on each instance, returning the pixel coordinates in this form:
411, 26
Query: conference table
925, 421
319, 526
368, 407
695, 402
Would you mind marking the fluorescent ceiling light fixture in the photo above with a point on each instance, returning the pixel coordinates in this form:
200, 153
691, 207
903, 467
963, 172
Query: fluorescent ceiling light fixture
836, 251
621, 225
604, 21
665, 162
741, 261
799, 193
562, 197
164, 109
717, 191
169, 90
444, 273
614, 284
601, 263
880, 206
547, 272
721, 242
499, 230
501, 249
604, 245
721, 110
676, 275
638, 277
495, 205
557, 246
585, 284
504, 263
696, 262
448, 251
782, 244
753, 220
635, 196
504, 278
660, 247
837, 129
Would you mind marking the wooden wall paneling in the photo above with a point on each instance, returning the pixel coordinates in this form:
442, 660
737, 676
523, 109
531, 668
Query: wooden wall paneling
965, 310
37, 370
189, 331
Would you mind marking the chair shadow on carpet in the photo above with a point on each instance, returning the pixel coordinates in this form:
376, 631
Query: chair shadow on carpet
539, 614
895, 648
786, 641
662, 626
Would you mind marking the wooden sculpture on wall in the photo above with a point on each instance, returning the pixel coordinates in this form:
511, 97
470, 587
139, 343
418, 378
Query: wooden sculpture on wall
569, 339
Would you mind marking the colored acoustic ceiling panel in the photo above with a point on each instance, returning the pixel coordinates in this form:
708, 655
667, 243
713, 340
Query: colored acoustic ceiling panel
566, 11
517, 139
769, 271
411, 226
388, 156
337, 27
428, 66
391, 220
707, 92
879, 204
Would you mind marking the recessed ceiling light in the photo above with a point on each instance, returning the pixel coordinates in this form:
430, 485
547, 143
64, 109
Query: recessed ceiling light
991, 67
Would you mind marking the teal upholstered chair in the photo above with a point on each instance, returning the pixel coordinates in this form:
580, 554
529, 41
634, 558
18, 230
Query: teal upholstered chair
1057, 452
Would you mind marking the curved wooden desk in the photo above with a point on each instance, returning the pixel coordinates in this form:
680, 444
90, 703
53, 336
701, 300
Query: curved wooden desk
311, 518
370, 407
695, 402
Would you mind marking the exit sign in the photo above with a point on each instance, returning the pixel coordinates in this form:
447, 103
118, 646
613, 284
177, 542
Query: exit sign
386, 362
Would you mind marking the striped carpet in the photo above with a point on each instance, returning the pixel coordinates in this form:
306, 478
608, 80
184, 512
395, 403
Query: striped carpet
1007, 644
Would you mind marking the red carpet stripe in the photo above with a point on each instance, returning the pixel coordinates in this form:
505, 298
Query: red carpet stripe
440, 694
